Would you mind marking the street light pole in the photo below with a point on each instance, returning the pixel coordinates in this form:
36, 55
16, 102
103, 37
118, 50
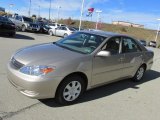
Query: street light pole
29, 12
50, 10
80, 22
10, 6
39, 11
157, 31
98, 17
58, 13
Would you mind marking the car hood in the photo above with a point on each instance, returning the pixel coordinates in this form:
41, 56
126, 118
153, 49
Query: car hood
44, 54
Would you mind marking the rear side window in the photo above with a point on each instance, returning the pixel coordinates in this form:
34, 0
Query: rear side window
64, 28
129, 45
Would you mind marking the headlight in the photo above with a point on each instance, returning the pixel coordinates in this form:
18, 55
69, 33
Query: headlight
28, 25
36, 70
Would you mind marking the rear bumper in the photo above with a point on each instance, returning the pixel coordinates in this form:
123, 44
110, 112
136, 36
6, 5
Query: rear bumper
31, 86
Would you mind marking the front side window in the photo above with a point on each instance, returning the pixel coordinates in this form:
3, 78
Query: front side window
129, 45
113, 45
84, 43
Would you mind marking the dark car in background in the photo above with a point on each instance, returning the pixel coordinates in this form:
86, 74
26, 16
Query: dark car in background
44, 27
7, 26
25, 23
152, 44
143, 42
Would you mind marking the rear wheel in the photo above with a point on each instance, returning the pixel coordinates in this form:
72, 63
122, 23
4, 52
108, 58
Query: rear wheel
70, 90
139, 74
65, 35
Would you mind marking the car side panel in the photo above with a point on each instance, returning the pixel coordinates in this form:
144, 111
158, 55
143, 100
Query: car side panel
132, 62
107, 69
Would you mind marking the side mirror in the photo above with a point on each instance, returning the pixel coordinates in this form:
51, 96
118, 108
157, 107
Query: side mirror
103, 53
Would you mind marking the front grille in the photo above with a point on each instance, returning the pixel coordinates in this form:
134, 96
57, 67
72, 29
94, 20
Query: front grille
16, 64
34, 26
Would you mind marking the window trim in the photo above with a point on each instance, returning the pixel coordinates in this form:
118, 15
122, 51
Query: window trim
120, 45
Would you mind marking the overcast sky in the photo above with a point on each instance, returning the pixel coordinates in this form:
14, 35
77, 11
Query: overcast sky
144, 12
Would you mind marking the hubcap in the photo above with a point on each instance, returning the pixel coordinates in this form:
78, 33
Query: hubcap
50, 33
65, 35
140, 73
23, 28
72, 91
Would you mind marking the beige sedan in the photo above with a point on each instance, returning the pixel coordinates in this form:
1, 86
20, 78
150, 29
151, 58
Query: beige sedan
84, 60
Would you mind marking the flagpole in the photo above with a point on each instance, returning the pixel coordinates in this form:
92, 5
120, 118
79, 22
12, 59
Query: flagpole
80, 22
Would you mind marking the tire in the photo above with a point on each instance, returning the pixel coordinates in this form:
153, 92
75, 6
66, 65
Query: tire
50, 33
139, 74
67, 94
12, 34
65, 35
23, 28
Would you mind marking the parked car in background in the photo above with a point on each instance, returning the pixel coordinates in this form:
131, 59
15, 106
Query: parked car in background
44, 28
7, 26
62, 31
152, 44
143, 42
55, 25
25, 23
79, 62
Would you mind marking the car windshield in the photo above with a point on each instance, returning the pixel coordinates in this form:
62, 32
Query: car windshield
5, 19
80, 42
26, 19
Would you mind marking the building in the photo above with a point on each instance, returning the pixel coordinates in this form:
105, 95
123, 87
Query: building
128, 24
2, 9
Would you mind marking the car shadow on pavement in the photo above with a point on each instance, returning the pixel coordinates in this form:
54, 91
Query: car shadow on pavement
109, 89
18, 36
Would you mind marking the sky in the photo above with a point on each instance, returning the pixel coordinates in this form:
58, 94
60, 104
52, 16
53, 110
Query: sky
145, 12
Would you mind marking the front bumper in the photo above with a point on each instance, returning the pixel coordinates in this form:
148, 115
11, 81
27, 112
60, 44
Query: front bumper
36, 29
32, 86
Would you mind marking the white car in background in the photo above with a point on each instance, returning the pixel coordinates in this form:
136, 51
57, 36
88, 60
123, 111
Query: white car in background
55, 25
152, 44
62, 31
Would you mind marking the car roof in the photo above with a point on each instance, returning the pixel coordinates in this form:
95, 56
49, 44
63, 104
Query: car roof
103, 33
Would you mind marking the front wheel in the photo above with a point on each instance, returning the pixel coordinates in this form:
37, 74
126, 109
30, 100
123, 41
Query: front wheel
23, 28
12, 34
50, 33
139, 74
70, 90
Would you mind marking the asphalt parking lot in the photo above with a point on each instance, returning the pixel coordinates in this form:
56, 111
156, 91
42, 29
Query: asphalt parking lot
123, 100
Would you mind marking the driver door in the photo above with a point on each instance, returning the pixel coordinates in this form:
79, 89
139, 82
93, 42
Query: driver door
110, 68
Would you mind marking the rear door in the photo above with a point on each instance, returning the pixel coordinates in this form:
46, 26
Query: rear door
60, 31
133, 56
